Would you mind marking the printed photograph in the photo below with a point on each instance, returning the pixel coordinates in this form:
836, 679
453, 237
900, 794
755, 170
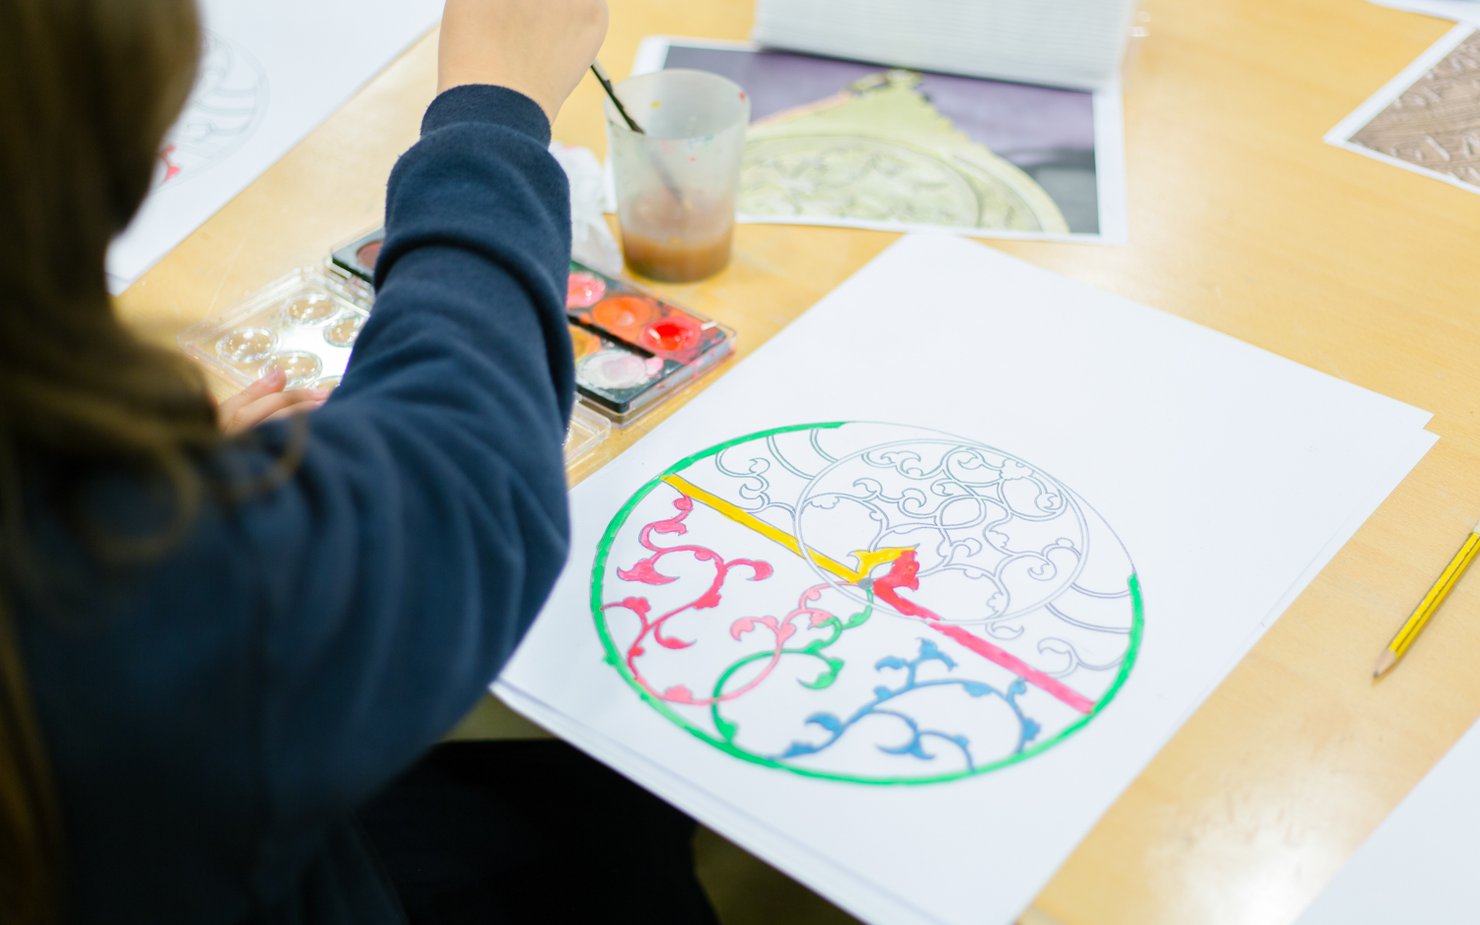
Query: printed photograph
838, 142
1427, 118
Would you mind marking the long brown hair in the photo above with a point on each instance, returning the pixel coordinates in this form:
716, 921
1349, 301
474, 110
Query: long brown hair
88, 89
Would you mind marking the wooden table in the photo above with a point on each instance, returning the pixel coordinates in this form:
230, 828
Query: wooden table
1242, 220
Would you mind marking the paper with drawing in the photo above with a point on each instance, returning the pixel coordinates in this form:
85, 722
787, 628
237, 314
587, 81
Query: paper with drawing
271, 71
903, 601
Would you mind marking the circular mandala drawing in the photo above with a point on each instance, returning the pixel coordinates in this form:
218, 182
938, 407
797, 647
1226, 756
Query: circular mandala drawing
224, 110
867, 602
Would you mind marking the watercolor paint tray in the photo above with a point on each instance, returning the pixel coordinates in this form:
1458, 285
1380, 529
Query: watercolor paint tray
632, 348
306, 323
356, 259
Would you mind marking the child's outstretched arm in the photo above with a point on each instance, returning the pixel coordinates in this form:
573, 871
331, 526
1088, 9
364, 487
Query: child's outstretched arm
431, 492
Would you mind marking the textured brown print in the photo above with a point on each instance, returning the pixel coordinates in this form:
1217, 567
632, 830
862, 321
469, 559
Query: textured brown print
1435, 124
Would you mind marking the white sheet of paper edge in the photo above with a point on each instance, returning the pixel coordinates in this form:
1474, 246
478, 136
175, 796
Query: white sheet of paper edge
1421, 863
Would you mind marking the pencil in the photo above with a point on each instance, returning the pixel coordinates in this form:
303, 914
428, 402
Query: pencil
1430, 603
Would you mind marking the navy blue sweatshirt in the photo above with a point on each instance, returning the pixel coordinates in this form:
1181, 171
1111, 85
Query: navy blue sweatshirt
214, 718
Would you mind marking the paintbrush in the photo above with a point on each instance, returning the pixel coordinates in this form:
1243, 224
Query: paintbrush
611, 94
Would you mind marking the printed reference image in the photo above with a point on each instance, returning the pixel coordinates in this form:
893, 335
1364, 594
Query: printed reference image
1427, 119
836, 142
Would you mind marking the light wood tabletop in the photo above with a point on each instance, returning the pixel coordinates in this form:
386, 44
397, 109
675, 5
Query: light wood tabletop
1241, 219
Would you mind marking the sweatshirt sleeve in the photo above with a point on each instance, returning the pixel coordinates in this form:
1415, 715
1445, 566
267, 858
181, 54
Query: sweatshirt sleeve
425, 519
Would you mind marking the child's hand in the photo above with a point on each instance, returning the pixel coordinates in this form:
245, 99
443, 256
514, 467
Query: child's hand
265, 400
539, 47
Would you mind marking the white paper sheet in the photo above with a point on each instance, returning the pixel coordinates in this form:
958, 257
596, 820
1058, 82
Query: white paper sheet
1227, 474
1420, 864
1457, 10
272, 71
1430, 124
865, 898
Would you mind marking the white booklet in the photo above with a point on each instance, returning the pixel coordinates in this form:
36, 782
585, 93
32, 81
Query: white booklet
1066, 43
1457, 10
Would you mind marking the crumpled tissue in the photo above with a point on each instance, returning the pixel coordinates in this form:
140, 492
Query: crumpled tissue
591, 238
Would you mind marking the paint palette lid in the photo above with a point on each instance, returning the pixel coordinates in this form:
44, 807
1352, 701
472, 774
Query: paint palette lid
588, 430
305, 323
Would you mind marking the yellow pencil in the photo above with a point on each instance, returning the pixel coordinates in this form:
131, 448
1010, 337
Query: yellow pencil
1430, 603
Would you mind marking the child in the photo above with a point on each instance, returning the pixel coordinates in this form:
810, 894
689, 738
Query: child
214, 650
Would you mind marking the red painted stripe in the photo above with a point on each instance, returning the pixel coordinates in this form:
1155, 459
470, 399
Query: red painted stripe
903, 573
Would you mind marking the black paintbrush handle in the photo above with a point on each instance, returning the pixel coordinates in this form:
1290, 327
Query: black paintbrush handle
611, 94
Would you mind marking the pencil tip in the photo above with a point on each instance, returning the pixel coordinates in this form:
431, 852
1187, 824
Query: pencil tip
1384, 662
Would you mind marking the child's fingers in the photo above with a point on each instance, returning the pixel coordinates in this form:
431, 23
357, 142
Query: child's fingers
270, 406
298, 408
232, 407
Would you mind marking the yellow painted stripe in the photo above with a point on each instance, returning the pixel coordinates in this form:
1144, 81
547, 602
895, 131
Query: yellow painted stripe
868, 559
747, 519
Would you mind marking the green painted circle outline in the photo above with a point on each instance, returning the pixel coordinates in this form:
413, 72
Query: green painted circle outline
614, 658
